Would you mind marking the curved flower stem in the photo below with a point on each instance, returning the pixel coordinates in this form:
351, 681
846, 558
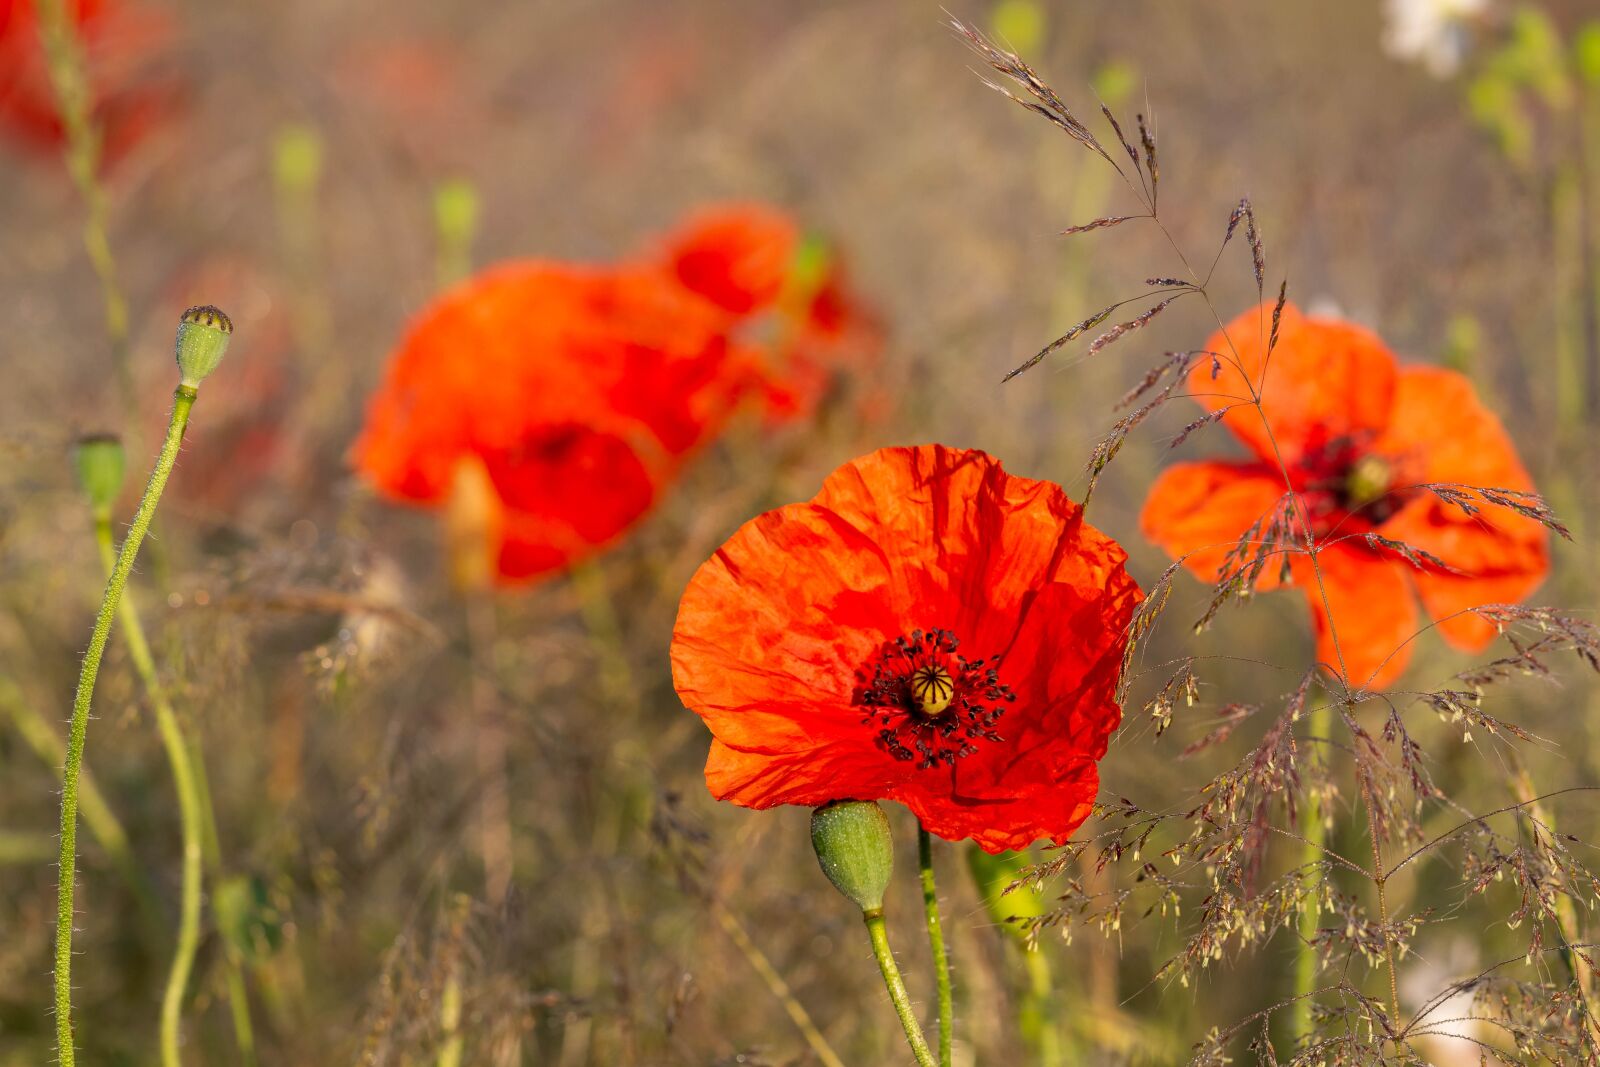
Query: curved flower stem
187, 783
1314, 835
941, 959
892, 980
77, 734
776, 985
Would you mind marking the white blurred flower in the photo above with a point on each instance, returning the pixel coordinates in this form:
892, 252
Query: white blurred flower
1435, 33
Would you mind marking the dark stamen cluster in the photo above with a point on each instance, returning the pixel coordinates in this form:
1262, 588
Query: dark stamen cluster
885, 687
1332, 475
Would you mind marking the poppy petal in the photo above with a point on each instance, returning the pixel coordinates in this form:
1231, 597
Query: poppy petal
1441, 432
1324, 379
1200, 510
779, 634
1371, 606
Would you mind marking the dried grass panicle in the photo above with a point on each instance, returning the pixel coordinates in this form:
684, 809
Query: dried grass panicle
1106, 449
1232, 866
1471, 498
1122, 329
1417, 557
1099, 224
1048, 104
1072, 334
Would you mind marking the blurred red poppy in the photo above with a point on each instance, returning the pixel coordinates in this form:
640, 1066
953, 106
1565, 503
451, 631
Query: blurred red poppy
1359, 434
577, 391
122, 45
927, 629
786, 293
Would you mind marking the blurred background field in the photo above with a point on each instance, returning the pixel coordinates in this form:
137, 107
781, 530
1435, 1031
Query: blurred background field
310, 634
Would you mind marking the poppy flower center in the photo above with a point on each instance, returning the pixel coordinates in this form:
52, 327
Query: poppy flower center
928, 702
1347, 481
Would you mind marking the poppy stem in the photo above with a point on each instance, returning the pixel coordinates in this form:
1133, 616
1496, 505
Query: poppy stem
77, 734
896, 984
185, 781
1314, 838
941, 959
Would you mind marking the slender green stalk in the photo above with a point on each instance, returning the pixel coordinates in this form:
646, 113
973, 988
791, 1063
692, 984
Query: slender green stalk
941, 959
67, 866
186, 782
450, 1021
892, 980
776, 985
68, 77
1314, 832
1038, 1018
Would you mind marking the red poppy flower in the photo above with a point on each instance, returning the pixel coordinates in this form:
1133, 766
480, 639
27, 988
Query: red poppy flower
787, 292
928, 629
1358, 433
129, 99
577, 390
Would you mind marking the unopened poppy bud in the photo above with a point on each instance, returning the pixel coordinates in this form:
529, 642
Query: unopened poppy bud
203, 335
1368, 481
856, 851
100, 463
455, 211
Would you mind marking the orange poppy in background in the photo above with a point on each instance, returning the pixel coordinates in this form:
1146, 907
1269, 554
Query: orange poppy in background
1359, 434
573, 392
785, 292
927, 629
123, 46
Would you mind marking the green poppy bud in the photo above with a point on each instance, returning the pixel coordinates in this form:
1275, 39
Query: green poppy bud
100, 463
455, 211
203, 335
856, 851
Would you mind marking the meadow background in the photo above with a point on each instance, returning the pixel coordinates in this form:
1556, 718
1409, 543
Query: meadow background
310, 634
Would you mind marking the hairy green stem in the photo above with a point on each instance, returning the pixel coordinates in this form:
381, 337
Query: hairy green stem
878, 931
1314, 834
941, 959
67, 865
186, 782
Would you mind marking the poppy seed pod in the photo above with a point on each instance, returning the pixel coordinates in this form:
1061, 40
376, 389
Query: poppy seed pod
203, 335
853, 845
100, 464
